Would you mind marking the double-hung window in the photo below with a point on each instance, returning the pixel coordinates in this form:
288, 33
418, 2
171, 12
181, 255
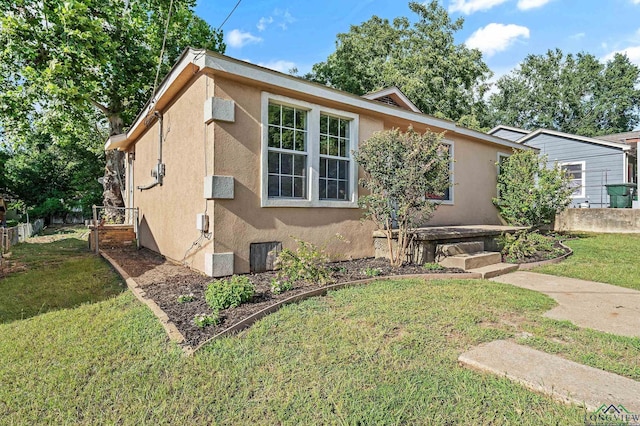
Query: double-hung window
307, 154
576, 173
287, 152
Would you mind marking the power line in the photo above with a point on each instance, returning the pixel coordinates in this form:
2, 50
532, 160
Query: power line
164, 41
229, 15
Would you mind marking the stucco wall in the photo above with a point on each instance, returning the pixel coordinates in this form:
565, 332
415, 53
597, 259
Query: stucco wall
168, 212
242, 221
193, 149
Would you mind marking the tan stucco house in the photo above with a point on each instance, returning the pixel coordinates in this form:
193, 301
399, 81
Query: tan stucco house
228, 159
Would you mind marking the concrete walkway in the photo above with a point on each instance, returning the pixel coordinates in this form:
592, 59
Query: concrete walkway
599, 306
562, 379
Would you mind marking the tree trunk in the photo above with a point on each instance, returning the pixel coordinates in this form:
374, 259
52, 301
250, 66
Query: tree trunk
113, 184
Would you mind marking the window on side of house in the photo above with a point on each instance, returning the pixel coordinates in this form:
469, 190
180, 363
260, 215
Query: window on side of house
334, 158
577, 173
287, 152
447, 197
306, 154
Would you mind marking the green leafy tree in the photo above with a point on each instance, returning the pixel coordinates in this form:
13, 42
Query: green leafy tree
422, 59
530, 193
87, 56
402, 171
570, 93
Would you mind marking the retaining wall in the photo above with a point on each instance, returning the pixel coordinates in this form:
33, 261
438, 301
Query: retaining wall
599, 220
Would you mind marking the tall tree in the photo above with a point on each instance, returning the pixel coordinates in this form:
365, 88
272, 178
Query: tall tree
90, 54
422, 59
574, 94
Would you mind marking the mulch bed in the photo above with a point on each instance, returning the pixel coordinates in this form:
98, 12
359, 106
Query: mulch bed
163, 281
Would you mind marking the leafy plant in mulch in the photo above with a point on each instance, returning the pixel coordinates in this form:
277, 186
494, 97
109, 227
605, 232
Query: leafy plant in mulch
229, 293
432, 266
522, 245
307, 263
204, 320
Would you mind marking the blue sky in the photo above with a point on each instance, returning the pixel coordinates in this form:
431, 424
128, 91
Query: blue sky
284, 34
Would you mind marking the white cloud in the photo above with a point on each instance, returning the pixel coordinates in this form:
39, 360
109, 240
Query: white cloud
237, 38
495, 38
635, 1
284, 18
263, 22
632, 52
470, 6
279, 65
532, 4
577, 36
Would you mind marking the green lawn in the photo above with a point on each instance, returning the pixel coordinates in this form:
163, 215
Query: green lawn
607, 258
385, 353
60, 273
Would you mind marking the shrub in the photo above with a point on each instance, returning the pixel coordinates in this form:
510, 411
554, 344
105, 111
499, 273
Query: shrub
522, 244
404, 172
307, 263
229, 293
530, 193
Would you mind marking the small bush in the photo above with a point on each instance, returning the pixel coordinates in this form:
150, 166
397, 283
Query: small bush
204, 320
280, 286
432, 266
307, 263
522, 244
229, 293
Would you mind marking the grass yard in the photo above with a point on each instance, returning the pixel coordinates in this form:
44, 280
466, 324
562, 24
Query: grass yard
385, 353
607, 258
60, 272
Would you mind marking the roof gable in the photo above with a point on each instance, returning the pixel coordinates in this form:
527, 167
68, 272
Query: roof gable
578, 138
392, 96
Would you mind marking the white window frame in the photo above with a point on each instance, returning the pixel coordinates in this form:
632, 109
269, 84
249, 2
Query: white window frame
582, 165
313, 155
452, 162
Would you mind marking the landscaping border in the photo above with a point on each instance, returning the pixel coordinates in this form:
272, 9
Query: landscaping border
529, 266
175, 335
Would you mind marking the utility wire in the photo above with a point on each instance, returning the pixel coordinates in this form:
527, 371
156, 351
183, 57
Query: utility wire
164, 41
229, 15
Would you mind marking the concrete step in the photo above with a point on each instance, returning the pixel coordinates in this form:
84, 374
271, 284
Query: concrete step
469, 247
560, 378
471, 261
495, 270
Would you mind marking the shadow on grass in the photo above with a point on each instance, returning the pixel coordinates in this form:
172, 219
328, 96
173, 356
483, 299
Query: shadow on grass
43, 276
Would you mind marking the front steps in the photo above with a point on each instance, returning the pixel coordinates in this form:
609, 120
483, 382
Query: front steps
471, 257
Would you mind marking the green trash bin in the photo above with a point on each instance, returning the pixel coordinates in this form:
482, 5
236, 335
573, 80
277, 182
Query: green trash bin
620, 195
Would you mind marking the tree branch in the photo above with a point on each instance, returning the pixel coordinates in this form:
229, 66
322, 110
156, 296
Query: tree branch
101, 107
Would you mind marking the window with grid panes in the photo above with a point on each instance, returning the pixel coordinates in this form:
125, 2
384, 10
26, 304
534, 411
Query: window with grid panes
287, 152
334, 158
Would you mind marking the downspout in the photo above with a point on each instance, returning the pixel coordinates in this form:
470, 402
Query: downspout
158, 172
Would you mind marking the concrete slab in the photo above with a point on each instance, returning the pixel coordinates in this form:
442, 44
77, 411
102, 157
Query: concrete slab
495, 270
471, 261
599, 306
562, 379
